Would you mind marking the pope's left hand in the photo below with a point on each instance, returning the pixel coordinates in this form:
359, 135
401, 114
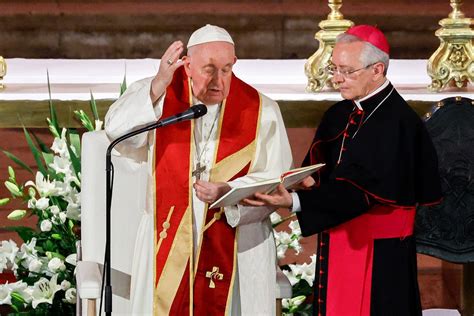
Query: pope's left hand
209, 192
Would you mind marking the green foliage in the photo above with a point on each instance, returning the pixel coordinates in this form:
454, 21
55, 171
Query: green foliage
53, 198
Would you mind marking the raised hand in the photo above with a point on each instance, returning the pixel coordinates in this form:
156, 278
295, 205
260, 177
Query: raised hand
169, 63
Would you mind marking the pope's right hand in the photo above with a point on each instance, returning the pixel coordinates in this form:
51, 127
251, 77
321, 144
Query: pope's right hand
169, 63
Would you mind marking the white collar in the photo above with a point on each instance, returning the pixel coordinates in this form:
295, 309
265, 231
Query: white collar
383, 86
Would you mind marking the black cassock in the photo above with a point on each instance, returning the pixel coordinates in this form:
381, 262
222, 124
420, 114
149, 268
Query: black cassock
380, 164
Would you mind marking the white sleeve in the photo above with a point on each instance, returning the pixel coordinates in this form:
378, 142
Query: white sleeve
273, 157
131, 111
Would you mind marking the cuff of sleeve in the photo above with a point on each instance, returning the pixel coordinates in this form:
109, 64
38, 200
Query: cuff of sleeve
296, 207
232, 215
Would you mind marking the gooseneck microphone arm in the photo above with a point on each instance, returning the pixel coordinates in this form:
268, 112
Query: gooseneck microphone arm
192, 113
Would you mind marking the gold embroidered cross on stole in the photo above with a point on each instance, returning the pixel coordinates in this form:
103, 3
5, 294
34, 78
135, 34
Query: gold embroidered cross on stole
214, 275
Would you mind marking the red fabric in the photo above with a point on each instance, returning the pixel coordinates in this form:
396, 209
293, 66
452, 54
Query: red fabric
351, 249
239, 130
7, 277
371, 34
172, 166
173, 188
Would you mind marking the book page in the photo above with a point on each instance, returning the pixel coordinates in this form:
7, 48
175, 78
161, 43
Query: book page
237, 194
297, 175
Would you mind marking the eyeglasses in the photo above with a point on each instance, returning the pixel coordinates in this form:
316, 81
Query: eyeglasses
332, 70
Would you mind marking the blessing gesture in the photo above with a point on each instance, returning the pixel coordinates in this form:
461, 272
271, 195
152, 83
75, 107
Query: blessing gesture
169, 63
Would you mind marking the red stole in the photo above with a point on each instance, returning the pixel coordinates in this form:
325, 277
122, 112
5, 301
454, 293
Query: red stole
182, 286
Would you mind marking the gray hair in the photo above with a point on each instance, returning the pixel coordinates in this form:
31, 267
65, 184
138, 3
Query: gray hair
370, 54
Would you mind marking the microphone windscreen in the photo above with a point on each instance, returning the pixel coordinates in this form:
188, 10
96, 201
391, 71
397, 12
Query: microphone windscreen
199, 110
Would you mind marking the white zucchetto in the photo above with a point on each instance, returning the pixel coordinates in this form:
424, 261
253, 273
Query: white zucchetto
209, 33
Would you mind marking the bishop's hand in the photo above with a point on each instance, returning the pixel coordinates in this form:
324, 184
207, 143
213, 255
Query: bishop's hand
169, 63
209, 192
280, 198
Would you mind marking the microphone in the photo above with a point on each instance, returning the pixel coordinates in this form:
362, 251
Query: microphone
193, 112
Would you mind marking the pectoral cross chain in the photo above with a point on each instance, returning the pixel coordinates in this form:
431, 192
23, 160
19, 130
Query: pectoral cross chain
199, 169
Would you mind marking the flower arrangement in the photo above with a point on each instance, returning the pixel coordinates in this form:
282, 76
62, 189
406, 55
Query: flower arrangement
301, 276
44, 265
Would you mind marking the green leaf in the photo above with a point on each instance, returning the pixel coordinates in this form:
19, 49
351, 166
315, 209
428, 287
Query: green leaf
56, 236
84, 119
36, 153
25, 233
94, 107
44, 148
53, 254
52, 129
18, 161
4, 201
123, 86
49, 246
75, 161
48, 158
52, 112
75, 141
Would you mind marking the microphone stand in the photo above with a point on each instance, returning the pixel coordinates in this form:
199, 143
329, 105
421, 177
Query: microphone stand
194, 112
108, 204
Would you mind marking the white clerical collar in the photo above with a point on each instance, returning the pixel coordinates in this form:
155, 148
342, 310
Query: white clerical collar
383, 86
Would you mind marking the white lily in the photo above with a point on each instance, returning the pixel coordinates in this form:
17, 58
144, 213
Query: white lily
44, 187
275, 217
71, 259
291, 277
28, 253
46, 225
44, 291
42, 203
5, 291
35, 265
55, 265
281, 250
60, 145
54, 210
9, 249
22, 289
3, 263
70, 296
61, 165
73, 211
295, 228
65, 285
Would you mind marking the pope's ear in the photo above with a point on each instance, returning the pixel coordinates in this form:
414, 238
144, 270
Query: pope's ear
186, 64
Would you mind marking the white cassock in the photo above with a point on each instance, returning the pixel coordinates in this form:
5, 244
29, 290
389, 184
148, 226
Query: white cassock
255, 282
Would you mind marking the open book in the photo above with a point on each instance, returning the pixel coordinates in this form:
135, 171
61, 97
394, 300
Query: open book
289, 178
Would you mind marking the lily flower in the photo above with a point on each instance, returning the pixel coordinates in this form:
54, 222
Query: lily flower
44, 187
44, 290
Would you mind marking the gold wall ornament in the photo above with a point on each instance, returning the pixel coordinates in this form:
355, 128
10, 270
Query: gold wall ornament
453, 62
3, 71
316, 66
